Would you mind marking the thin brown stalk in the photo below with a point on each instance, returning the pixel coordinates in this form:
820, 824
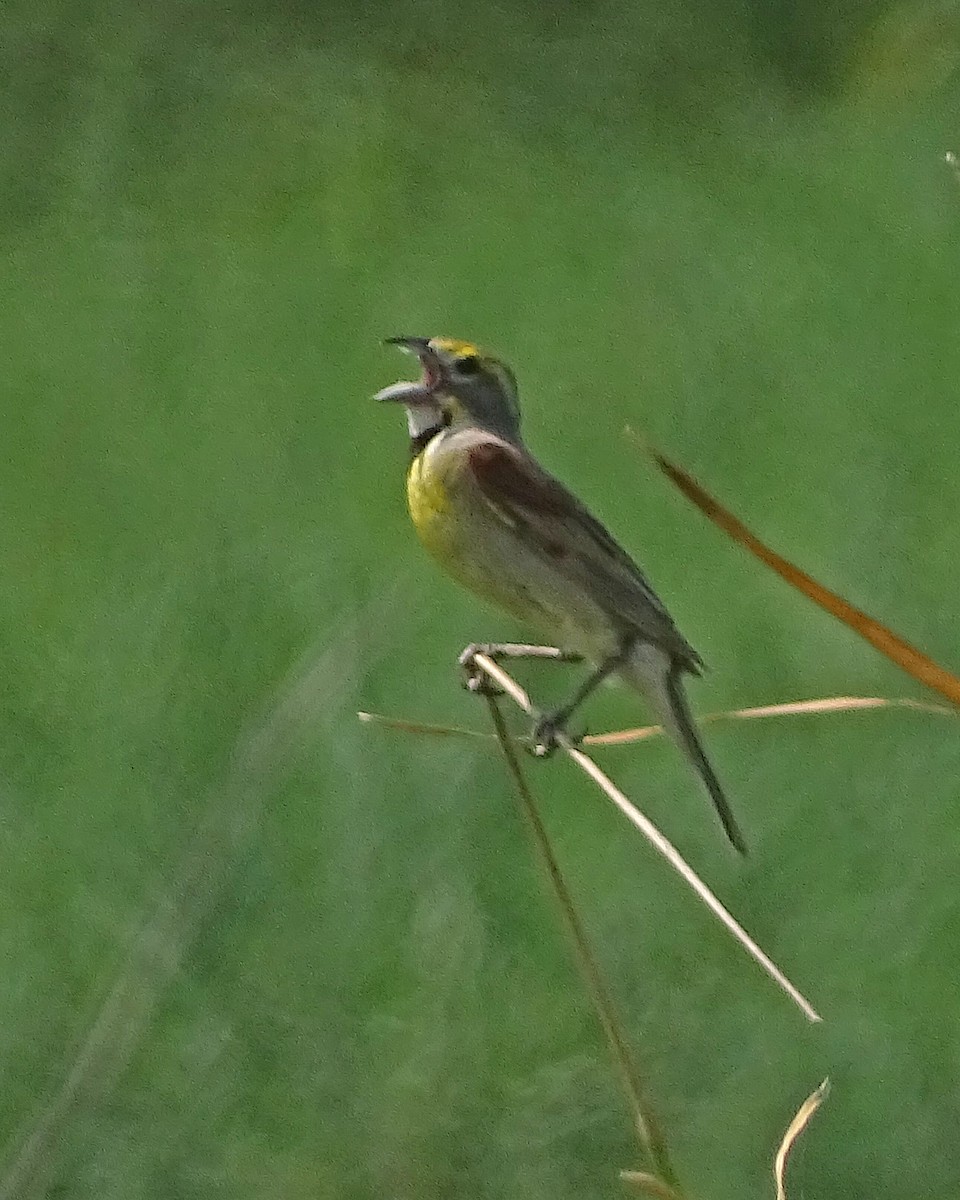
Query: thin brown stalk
404, 726
916, 664
824, 705
793, 708
644, 1119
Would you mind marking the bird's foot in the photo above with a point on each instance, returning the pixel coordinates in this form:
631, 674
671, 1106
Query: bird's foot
474, 679
546, 731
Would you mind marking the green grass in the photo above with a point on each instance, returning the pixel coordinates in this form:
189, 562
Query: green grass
329, 963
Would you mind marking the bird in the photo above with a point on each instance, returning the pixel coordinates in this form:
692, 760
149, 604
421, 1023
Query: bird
505, 528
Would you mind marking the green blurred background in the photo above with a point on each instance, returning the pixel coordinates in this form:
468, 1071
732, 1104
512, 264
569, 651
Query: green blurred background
250, 948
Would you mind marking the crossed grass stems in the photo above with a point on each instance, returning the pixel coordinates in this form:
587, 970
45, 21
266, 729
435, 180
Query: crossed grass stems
486, 677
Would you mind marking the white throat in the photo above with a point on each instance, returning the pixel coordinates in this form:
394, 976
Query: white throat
421, 418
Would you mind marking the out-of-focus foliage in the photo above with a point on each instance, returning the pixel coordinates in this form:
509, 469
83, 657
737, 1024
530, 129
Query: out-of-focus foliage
250, 948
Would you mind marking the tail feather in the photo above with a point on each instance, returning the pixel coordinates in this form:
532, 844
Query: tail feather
660, 680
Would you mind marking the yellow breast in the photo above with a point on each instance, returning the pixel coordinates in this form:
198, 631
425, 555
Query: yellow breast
430, 504
481, 550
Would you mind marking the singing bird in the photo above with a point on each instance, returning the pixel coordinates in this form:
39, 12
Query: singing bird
505, 528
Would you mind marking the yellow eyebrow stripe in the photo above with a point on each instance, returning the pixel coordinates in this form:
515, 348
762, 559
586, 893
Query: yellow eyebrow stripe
453, 346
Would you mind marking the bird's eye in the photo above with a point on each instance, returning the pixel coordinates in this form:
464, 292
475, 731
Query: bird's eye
469, 364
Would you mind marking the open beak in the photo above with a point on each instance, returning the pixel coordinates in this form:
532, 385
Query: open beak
418, 391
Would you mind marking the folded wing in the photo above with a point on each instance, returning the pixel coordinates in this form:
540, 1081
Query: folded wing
557, 527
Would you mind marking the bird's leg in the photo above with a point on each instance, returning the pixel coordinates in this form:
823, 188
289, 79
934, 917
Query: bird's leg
550, 724
478, 681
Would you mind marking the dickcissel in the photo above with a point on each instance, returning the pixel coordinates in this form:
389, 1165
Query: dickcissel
505, 528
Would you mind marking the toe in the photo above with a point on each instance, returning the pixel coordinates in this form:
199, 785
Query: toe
475, 680
468, 654
544, 737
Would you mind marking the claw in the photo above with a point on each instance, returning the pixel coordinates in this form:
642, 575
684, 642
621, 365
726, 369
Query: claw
545, 732
470, 652
544, 737
475, 680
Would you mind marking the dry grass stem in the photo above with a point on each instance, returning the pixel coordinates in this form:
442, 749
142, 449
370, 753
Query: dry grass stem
644, 1119
825, 705
793, 708
794, 1129
649, 1185
661, 844
907, 657
398, 723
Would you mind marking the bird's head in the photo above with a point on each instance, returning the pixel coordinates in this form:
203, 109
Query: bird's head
460, 386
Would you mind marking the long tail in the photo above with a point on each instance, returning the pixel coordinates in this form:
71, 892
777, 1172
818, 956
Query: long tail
660, 680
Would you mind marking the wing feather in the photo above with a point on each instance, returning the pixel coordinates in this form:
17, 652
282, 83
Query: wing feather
556, 526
